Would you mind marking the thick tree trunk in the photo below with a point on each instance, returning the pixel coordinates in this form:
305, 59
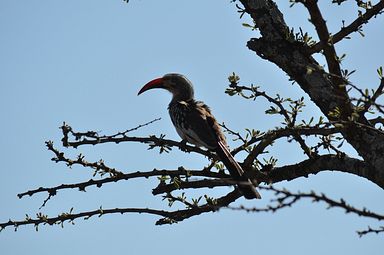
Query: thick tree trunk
277, 46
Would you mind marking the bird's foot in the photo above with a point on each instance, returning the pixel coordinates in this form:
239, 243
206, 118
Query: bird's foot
183, 145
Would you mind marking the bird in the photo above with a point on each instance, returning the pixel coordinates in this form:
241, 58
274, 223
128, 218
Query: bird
196, 125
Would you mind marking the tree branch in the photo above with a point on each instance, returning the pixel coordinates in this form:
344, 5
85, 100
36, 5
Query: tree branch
372, 100
323, 163
92, 138
292, 57
70, 217
289, 116
170, 217
99, 166
267, 139
212, 205
353, 27
329, 52
285, 198
377, 120
197, 184
322, 31
66, 129
98, 183
371, 230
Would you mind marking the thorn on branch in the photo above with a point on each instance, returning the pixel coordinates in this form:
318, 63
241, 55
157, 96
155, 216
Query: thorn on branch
99, 166
379, 230
355, 26
285, 198
92, 138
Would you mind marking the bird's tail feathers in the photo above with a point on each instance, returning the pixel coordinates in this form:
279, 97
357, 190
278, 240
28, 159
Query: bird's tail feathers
236, 172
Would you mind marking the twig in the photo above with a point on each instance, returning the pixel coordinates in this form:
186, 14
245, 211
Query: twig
286, 198
98, 166
181, 199
370, 230
322, 31
231, 132
212, 205
329, 51
68, 130
60, 219
353, 27
205, 183
169, 216
256, 93
267, 139
372, 101
290, 117
288, 131
377, 120
98, 183
92, 138
368, 100
321, 163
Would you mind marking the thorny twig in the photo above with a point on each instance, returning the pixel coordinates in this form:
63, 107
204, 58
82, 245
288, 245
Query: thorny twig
370, 230
99, 183
92, 138
169, 217
290, 116
285, 198
355, 26
368, 100
99, 166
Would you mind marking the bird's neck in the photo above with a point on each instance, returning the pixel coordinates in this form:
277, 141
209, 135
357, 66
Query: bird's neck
185, 95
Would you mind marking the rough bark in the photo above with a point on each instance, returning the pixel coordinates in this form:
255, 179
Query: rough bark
294, 58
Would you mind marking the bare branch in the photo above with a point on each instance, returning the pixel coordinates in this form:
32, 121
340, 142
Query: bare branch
322, 163
377, 120
212, 205
277, 174
231, 132
285, 198
289, 119
366, 99
169, 216
329, 50
353, 27
286, 195
289, 116
233, 87
372, 101
70, 217
98, 183
196, 184
92, 134
371, 230
99, 166
92, 138
266, 139
322, 31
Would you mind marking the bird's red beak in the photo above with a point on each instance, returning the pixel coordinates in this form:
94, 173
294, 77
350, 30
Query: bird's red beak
156, 83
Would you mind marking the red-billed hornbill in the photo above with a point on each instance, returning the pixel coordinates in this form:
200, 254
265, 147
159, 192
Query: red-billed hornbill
195, 124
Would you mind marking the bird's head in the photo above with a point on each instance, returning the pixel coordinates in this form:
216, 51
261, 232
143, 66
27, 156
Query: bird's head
180, 87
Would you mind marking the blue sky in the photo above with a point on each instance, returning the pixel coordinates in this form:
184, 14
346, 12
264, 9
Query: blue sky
84, 61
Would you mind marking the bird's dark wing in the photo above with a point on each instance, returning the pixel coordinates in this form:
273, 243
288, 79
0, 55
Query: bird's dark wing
202, 127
